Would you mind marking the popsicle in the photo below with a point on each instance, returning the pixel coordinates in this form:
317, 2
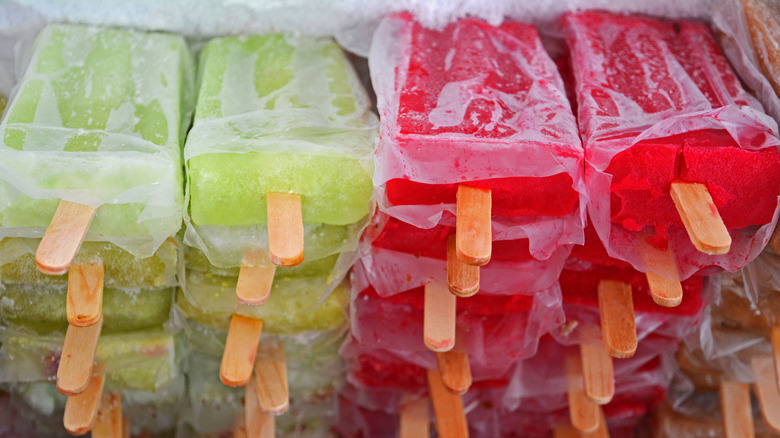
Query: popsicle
107, 109
764, 27
662, 114
277, 156
474, 122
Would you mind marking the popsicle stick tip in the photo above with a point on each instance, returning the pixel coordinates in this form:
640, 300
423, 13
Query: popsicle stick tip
447, 408
462, 279
736, 410
455, 371
565, 432
665, 292
254, 284
271, 377
415, 418
474, 237
109, 417
597, 371
77, 357
63, 237
238, 358
285, 229
439, 318
618, 327
81, 410
700, 217
84, 305
766, 390
583, 413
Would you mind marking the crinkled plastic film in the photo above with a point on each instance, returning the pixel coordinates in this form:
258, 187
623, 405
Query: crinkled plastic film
493, 340
391, 272
617, 122
545, 142
120, 153
315, 128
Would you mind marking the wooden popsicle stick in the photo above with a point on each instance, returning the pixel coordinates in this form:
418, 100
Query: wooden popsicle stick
601, 431
125, 427
255, 279
238, 358
271, 376
257, 424
766, 390
474, 237
415, 417
597, 370
85, 294
81, 410
618, 327
63, 238
240, 431
665, 292
700, 216
109, 417
774, 337
774, 241
285, 229
462, 279
77, 357
583, 412
455, 371
736, 410
439, 318
447, 408
565, 432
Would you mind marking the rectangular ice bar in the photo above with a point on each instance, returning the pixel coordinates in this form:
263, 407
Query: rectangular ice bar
282, 114
99, 119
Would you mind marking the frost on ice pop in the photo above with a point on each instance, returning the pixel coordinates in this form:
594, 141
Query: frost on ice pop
659, 104
99, 119
277, 114
482, 106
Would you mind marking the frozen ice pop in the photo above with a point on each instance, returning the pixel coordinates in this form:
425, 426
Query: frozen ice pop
98, 121
661, 111
469, 109
277, 114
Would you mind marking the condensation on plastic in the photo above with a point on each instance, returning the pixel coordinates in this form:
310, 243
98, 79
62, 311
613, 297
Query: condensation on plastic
135, 183
121, 268
606, 135
507, 339
391, 272
144, 360
302, 119
734, 36
546, 142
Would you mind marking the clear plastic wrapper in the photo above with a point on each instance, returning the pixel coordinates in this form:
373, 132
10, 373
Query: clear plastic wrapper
282, 114
452, 116
98, 119
701, 124
148, 412
746, 30
398, 257
143, 360
495, 330
121, 269
700, 418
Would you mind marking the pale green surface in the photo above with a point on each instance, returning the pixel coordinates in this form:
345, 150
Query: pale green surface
278, 114
121, 269
293, 306
43, 308
98, 119
143, 360
196, 260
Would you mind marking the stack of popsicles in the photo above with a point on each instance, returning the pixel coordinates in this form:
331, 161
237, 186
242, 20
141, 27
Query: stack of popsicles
94, 133
278, 175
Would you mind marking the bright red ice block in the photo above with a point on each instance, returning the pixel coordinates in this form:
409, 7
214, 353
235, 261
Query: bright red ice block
402, 257
480, 98
668, 82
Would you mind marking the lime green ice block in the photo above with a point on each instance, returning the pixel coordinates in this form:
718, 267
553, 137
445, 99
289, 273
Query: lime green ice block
99, 119
121, 268
141, 360
276, 114
42, 308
